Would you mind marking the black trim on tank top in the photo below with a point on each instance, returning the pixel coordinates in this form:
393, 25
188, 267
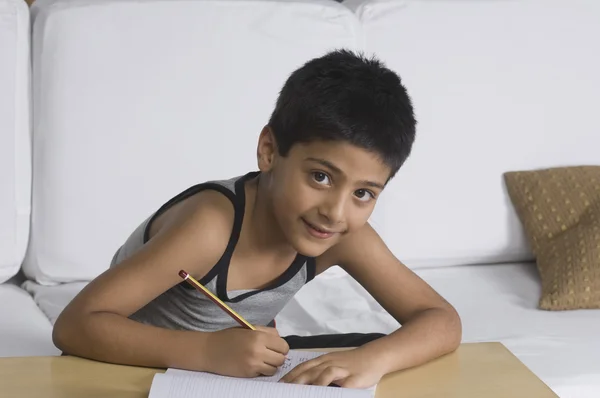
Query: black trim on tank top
238, 217
288, 274
224, 260
311, 269
282, 279
191, 191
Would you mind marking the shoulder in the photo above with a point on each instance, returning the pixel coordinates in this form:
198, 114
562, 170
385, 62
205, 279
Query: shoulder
352, 249
201, 223
206, 205
208, 210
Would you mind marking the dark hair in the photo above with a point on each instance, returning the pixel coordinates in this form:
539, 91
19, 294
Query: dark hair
345, 96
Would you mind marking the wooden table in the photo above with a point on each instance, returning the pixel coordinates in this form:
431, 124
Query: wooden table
473, 371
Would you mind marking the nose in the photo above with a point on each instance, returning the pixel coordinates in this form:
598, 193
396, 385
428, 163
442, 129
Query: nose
332, 209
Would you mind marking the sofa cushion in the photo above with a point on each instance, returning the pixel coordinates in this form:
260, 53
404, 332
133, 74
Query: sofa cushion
51, 300
24, 329
496, 87
136, 101
560, 210
15, 157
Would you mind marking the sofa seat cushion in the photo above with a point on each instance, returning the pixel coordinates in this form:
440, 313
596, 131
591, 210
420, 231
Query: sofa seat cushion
24, 330
52, 300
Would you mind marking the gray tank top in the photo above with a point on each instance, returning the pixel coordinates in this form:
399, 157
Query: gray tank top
183, 307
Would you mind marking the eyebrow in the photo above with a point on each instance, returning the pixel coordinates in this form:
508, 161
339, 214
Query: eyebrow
336, 169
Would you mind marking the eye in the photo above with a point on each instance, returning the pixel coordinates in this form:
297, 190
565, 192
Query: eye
363, 195
321, 178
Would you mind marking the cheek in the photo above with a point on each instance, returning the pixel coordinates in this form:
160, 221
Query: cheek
358, 217
287, 197
296, 198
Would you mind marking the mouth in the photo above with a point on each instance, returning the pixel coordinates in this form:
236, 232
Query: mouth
318, 232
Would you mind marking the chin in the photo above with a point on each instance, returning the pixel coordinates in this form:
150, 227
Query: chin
310, 248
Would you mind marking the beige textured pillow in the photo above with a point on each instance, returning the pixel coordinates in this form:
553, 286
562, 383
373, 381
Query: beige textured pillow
560, 212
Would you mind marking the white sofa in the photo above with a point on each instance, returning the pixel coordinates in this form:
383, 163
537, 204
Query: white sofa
127, 95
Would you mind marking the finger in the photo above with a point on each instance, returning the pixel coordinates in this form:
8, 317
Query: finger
304, 377
277, 344
329, 375
273, 358
310, 376
349, 382
307, 371
267, 370
300, 369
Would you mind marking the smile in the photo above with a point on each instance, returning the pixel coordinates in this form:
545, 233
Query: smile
318, 232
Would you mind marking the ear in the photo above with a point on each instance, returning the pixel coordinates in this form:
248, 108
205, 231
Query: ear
266, 150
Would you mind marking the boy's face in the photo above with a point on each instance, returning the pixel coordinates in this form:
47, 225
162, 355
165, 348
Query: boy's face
321, 191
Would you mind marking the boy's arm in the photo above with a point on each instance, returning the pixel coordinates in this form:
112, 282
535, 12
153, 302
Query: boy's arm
430, 326
95, 323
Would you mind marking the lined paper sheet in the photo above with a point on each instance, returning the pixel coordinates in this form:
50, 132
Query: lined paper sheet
185, 386
293, 359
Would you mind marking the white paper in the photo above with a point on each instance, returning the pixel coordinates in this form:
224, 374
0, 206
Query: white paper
178, 383
185, 386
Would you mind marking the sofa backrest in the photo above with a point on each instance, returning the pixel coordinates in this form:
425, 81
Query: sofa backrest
497, 86
135, 101
15, 151
129, 94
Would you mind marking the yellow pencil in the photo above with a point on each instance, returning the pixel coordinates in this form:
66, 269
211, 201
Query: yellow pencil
189, 279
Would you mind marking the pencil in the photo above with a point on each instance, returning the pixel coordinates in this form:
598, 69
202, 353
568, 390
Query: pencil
189, 279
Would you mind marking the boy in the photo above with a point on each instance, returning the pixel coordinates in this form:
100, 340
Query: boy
342, 127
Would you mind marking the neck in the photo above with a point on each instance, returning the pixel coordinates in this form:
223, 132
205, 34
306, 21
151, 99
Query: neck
263, 232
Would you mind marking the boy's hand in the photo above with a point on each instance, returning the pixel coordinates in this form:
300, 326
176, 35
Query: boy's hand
246, 353
351, 369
